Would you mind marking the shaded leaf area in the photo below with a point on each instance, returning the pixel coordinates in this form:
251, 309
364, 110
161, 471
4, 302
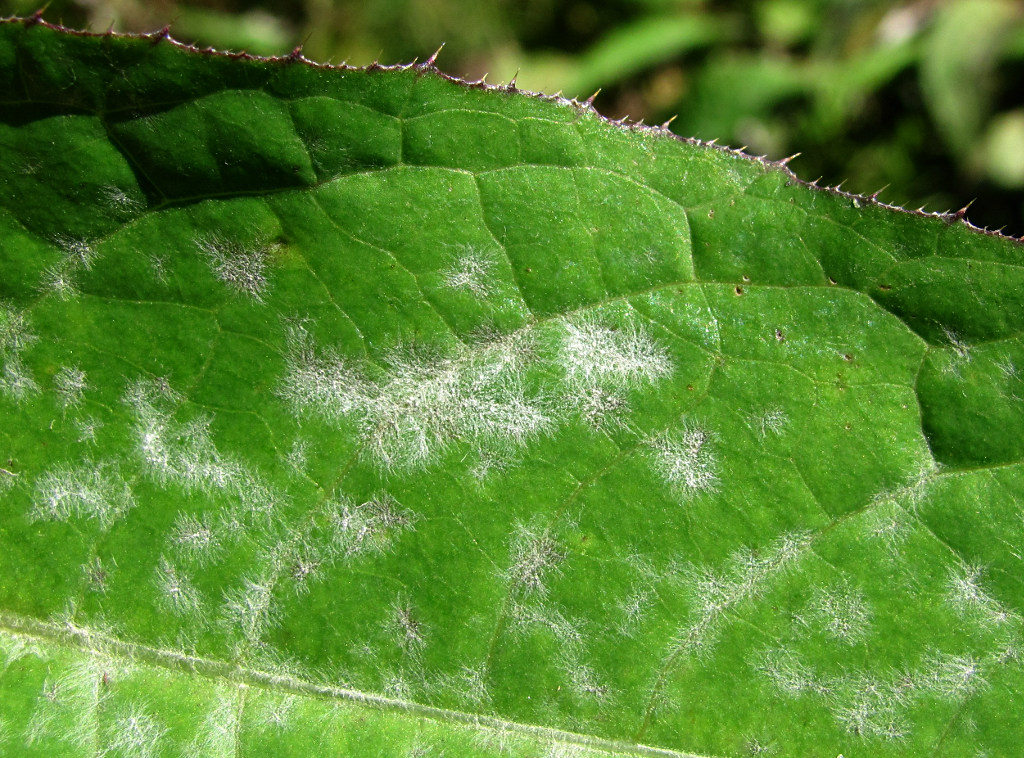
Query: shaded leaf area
367, 385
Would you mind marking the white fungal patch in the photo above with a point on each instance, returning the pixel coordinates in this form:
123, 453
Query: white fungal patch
89, 490
250, 609
535, 555
16, 381
134, 732
685, 460
620, 357
78, 253
370, 527
472, 271
196, 539
59, 280
971, 601
65, 708
184, 454
175, 590
423, 405
771, 420
713, 595
243, 268
218, 733
841, 612
407, 627
70, 385
120, 201
870, 705
15, 334
274, 711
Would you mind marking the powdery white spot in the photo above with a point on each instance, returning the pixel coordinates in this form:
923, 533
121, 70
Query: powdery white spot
250, 609
184, 454
407, 627
69, 383
370, 527
196, 538
771, 420
841, 612
685, 459
535, 554
274, 711
89, 490
241, 267
472, 271
78, 253
218, 733
746, 576
15, 334
176, 591
422, 405
16, 381
621, 357
120, 201
133, 733
970, 600
59, 280
872, 705
87, 429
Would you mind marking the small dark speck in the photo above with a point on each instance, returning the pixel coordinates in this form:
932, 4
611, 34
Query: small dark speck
738, 290
779, 335
528, 270
885, 287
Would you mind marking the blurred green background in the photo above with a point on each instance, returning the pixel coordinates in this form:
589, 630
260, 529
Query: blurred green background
925, 97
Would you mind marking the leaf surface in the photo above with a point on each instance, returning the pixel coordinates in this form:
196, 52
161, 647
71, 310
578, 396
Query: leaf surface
375, 412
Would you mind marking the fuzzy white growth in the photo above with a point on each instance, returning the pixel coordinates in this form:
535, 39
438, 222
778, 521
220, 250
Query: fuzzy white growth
65, 709
218, 733
841, 612
869, 705
78, 253
423, 405
59, 280
70, 384
631, 611
594, 355
250, 608
370, 527
407, 627
713, 595
965, 593
185, 454
472, 271
134, 733
86, 491
196, 538
771, 420
242, 268
120, 200
15, 334
535, 554
16, 380
274, 711
177, 593
469, 685
686, 461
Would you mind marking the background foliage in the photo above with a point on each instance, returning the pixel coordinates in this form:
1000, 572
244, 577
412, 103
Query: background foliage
920, 96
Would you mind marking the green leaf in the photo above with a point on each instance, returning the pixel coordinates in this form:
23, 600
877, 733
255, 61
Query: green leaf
368, 412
